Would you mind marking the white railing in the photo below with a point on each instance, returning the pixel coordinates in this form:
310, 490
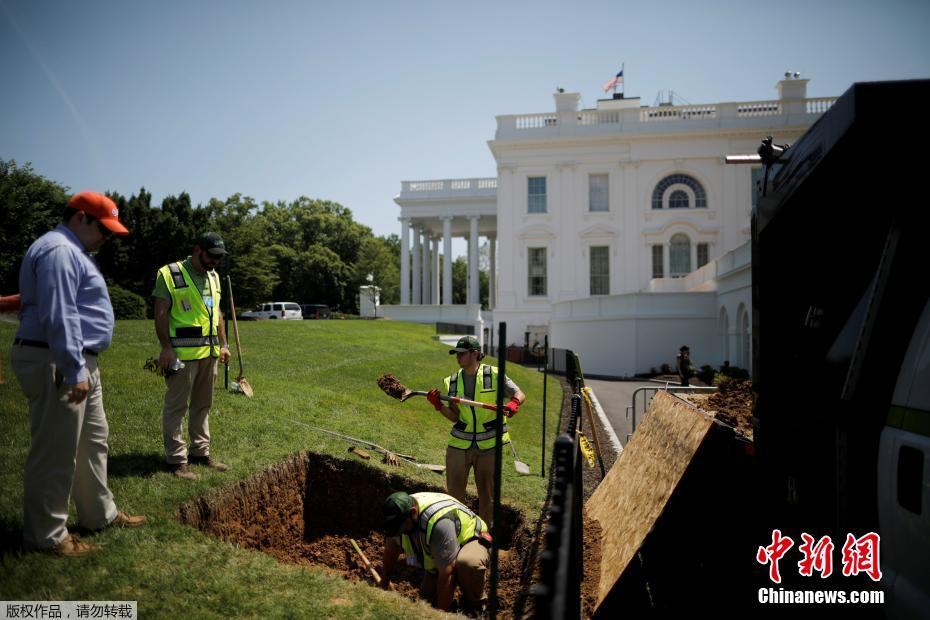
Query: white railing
535, 121
628, 119
758, 108
675, 113
450, 186
820, 105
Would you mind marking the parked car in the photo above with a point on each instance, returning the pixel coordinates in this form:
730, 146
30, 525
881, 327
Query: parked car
315, 311
274, 310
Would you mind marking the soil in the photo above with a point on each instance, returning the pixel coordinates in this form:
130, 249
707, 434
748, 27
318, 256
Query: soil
731, 404
391, 386
306, 509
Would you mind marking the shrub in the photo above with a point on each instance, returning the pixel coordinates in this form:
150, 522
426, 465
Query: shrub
666, 369
126, 304
706, 374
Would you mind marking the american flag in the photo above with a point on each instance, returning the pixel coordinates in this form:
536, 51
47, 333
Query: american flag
614, 81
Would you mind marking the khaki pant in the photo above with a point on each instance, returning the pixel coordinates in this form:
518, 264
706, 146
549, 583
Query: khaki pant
471, 564
458, 465
189, 389
68, 456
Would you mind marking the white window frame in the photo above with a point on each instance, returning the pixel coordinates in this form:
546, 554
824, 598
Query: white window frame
592, 191
591, 274
544, 252
542, 196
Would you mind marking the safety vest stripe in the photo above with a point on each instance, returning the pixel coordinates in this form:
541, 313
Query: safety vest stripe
487, 377
454, 384
192, 342
491, 434
432, 509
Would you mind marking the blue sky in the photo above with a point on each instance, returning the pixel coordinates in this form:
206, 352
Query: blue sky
343, 100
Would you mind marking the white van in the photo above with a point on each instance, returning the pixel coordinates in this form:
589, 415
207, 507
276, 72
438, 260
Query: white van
275, 310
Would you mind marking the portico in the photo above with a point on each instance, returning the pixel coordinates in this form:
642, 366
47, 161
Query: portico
441, 210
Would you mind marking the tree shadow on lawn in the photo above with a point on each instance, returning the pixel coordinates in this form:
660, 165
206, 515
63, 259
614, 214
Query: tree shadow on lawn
135, 464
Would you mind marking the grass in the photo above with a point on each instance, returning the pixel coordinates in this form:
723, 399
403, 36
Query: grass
319, 373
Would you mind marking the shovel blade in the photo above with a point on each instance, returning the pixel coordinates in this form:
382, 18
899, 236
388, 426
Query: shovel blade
522, 468
244, 387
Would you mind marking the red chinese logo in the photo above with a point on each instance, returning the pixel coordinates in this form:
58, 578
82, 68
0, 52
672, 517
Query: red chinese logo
817, 557
773, 553
860, 555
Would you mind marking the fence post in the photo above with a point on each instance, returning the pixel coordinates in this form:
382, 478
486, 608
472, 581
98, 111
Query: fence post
498, 448
545, 382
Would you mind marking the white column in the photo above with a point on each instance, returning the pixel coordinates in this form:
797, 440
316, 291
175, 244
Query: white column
492, 275
447, 261
424, 273
405, 261
474, 290
434, 273
416, 267
693, 255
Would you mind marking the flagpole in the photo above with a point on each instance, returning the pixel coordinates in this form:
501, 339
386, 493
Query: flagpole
623, 72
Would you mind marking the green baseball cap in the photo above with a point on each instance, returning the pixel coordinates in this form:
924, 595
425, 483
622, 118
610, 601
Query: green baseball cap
466, 343
396, 509
212, 243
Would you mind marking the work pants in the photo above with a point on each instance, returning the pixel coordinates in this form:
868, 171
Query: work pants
68, 455
458, 466
470, 567
190, 389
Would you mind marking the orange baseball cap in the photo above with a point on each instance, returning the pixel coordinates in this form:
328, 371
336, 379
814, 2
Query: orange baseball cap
101, 207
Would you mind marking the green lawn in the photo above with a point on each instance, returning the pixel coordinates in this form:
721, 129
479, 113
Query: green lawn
320, 373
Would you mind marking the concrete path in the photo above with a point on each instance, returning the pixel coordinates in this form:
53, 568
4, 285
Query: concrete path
614, 397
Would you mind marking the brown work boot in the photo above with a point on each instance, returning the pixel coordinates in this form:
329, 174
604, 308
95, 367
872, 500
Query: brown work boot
207, 461
124, 520
72, 547
181, 470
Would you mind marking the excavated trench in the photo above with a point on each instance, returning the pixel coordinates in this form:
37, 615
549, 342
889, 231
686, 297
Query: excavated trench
305, 509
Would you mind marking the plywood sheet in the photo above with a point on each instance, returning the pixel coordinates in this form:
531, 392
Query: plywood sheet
633, 495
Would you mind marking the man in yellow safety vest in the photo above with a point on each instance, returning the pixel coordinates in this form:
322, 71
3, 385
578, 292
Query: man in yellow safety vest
472, 438
444, 538
189, 326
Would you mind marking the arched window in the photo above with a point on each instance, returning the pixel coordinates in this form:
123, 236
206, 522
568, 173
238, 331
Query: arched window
679, 255
743, 338
658, 194
678, 200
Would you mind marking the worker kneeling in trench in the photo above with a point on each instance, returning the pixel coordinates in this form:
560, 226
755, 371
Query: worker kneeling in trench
444, 538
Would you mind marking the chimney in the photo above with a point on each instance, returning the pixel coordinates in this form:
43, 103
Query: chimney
566, 102
792, 87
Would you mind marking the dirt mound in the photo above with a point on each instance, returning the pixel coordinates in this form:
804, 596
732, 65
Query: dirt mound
733, 405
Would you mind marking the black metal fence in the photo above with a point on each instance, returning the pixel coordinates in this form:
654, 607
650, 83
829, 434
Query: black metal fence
557, 594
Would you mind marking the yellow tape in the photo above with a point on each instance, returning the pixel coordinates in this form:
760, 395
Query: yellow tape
586, 449
586, 391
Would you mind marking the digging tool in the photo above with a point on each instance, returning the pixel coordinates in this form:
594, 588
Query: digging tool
373, 446
589, 406
521, 467
395, 389
242, 385
366, 562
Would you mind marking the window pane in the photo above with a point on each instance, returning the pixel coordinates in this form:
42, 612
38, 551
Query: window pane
600, 270
679, 256
536, 194
658, 269
536, 270
597, 192
703, 252
678, 200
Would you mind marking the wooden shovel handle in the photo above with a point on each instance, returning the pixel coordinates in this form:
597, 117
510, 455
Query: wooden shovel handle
232, 306
366, 562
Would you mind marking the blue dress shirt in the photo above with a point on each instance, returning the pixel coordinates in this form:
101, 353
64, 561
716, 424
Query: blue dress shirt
64, 301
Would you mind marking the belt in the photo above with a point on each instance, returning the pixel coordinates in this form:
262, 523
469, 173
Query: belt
39, 344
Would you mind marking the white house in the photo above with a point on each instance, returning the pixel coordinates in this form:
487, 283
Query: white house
623, 234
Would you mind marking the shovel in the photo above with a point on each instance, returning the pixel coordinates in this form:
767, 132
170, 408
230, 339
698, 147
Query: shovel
522, 468
394, 388
241, 384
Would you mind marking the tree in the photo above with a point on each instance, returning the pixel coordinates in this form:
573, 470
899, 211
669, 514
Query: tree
30, 206
460, 283
377, 258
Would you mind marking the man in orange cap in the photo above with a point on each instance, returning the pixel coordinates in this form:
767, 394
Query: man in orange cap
66, 320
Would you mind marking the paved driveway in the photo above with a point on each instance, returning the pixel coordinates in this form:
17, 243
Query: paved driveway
615, 397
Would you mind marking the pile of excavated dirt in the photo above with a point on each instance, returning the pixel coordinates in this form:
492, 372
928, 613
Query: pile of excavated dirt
731, 404
307, 508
